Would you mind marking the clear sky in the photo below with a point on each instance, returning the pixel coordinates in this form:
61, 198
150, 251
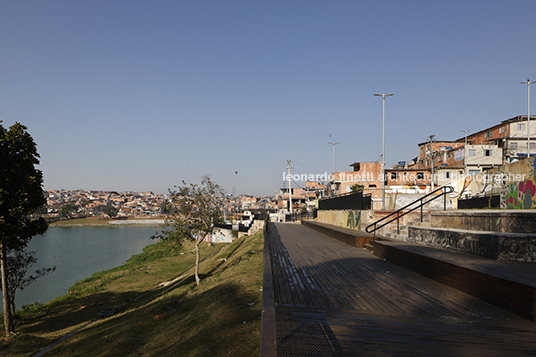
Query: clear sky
140, 95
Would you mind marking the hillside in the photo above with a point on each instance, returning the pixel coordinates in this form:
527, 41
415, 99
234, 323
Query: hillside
139, 316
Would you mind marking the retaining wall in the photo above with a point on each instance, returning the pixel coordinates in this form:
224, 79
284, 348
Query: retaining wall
503, 221
499, 246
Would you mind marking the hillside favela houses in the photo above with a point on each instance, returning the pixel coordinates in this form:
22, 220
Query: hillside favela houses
474, 165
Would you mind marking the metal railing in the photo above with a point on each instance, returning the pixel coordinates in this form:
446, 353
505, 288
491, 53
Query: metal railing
444, 191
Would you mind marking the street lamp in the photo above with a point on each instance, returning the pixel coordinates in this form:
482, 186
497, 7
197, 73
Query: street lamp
527, 82
383, 95
431, 140
333, 143
465, 155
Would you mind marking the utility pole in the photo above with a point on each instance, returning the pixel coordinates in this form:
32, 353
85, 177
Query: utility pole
334, 143
465, 155
383, 95
289, 167
431, 140
528, 83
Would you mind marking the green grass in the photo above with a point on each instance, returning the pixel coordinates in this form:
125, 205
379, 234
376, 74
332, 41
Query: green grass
221, 317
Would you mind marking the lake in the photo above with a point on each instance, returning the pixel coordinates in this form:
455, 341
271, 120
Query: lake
79, 252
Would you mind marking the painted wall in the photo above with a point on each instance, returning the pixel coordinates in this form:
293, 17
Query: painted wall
361, 219
519, 194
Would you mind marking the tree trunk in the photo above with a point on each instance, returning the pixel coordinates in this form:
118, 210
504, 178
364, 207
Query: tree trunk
12, 306
8, 318
197, 256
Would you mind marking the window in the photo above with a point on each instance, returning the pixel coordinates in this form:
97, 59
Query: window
474, 172
520, 126
394, 175
427, 162
443, 148
532, 146
489, 134
371, 186
472, 152
420, 175
488, 152
501, 130
447, 174
512, 146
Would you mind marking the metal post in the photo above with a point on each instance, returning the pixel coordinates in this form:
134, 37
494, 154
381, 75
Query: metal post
465, 155
334, 166
431, 139
289, 186
383, 95
528, 82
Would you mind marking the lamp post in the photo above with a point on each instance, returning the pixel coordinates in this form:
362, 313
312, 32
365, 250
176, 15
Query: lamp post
465, 155
527, 82
431, 140
289, 167
333, 143
383, 95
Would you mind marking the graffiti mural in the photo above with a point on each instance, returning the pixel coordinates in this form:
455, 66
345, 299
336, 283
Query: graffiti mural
521, 195
354, 219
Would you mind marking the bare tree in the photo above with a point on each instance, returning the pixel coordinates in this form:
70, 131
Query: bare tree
193, 212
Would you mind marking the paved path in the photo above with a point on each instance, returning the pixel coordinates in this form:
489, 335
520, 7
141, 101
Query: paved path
336, 300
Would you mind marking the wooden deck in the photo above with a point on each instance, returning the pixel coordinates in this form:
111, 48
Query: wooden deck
336, 300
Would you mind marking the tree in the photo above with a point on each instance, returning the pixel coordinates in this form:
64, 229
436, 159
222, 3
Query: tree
111, 211
196, 209
18, 264
21, 194
68, 209
357, 187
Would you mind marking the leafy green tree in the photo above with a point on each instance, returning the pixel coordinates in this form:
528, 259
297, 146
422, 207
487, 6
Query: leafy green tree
111, 211
357, 187
68, 209
21, 194
196, 209
18, 264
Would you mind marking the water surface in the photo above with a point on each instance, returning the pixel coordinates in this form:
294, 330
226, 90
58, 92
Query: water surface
79, 252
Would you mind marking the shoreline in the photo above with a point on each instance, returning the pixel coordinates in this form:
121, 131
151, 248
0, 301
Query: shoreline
104, 222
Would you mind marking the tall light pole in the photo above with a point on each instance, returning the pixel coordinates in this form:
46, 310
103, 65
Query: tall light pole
431, 140
383, 95
527, 82
465, 155
333, 143
289, 185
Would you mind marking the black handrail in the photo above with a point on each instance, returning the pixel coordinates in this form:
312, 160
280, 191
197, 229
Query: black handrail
444, 190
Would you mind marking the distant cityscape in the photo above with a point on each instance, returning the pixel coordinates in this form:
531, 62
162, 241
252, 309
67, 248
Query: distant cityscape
140, 204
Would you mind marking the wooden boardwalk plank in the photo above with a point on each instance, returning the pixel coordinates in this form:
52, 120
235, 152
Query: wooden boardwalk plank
333, 299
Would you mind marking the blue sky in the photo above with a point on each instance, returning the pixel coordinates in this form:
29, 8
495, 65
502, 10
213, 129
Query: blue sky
140, 95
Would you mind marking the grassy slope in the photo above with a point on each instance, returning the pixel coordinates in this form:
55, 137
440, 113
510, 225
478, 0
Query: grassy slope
220, 317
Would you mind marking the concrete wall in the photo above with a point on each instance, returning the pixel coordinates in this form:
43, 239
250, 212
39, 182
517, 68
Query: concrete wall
500, 246
486, 220
361, 219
